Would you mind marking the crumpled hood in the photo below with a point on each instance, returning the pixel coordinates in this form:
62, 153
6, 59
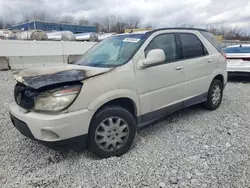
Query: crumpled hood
40, 77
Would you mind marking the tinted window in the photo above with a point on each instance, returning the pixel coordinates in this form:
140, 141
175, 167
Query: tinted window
192, 46
210, 37
242, 49
165, 42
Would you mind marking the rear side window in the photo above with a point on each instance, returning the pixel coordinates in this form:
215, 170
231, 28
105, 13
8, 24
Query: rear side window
242, 49
192, 46
210, 37
167, 43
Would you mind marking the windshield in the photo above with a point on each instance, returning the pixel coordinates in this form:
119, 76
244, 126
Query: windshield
112, 52
242, 49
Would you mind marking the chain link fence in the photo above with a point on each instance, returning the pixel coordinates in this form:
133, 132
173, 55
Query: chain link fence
226, 43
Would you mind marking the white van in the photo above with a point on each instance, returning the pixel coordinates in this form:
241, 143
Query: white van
119, 85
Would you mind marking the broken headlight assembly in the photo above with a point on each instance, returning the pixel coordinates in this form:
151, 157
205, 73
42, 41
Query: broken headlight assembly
58, 99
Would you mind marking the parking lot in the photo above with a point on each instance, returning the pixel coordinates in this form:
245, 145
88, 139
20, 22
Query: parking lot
191, 148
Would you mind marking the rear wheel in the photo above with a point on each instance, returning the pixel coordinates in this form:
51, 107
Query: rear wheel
215, 94
112, 132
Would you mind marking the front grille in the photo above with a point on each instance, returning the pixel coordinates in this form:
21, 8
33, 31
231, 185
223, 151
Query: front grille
24, 96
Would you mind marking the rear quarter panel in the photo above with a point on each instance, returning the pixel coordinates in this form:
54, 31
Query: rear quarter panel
220, 61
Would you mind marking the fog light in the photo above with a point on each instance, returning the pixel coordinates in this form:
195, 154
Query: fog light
49, 135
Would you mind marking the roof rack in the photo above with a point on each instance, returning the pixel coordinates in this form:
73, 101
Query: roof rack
178, 28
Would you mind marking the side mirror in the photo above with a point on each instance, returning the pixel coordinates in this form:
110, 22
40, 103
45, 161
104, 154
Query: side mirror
154, 57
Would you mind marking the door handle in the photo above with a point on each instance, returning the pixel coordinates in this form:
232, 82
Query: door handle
210, 60
179, 68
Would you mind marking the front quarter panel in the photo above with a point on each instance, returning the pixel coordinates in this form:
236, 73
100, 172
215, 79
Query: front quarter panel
96, 91
115, 94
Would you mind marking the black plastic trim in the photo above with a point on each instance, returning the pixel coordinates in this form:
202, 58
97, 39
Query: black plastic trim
161, 112
151, 116
21, 127
75, 142
195, 100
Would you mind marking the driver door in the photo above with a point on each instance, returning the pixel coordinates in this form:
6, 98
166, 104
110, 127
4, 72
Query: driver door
161, 87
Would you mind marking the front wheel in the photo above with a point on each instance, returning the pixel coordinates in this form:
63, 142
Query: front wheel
215, 94
112, 132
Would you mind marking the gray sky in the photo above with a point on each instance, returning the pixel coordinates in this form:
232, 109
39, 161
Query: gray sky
158, 13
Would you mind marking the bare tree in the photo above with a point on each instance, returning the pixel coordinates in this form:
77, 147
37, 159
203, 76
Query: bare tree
234, 33
133, 22
82, 21
120, 26
116, 23
212, 29
223, 30
188, 25
8, 24
98, 26
67, 19
1, 23
228, 32
25, 17
109, 23
40, 15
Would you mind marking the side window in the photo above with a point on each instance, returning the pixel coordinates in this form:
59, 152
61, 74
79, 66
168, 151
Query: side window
210, 37
167, 43
192, 46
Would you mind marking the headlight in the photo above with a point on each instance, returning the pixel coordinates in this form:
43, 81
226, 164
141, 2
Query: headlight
57, 99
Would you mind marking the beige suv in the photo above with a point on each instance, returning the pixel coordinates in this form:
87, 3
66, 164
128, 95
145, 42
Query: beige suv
119, 85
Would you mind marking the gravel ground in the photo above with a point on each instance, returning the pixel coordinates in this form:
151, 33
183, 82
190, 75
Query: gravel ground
191, 148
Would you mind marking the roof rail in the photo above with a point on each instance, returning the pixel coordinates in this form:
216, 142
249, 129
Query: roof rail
179, 28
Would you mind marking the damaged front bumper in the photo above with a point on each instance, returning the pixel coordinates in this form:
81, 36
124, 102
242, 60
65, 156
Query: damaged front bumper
50, 128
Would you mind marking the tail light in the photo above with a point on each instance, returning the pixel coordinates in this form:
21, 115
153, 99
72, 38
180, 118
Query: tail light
224, 55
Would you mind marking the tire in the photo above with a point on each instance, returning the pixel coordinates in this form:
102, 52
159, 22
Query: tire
215, 95
113, 137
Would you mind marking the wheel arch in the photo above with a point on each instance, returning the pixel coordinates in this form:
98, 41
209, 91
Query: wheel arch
219, 77
124, 98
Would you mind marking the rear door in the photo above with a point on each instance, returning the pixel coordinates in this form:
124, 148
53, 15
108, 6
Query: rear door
197, 68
